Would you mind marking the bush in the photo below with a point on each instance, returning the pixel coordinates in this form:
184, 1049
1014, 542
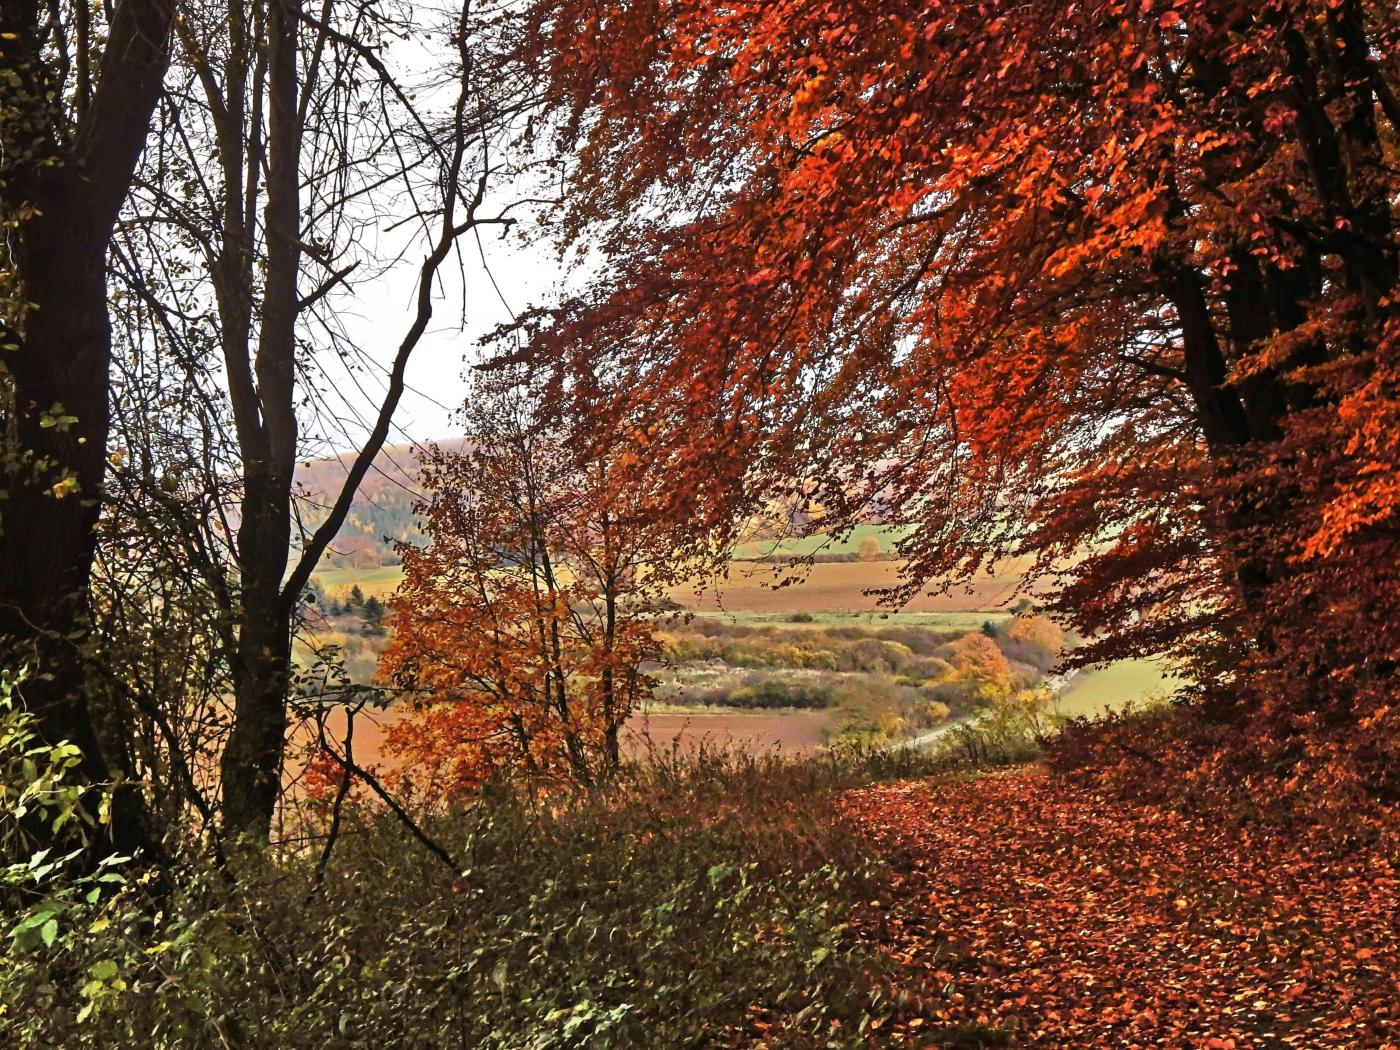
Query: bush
874, 654
774, 692
683, 904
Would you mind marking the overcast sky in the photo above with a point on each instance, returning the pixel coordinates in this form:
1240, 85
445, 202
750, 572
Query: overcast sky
502, 276
513, 277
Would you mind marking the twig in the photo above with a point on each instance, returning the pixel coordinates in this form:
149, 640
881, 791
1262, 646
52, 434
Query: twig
341, 792
374, 785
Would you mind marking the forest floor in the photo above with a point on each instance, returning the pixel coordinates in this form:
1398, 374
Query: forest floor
1023, 911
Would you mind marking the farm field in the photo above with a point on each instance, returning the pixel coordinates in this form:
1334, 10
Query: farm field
803, 546
1128, 681
758, 620
378, 581
952, 620
827, 587
789, 731
833, 587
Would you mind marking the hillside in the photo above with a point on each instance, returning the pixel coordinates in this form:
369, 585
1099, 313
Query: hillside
382, 512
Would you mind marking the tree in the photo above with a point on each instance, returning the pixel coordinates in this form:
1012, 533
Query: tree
1033, 639
523, 626
977, 658
1111, 284
80, 87
299, 161
870, 549
161, 633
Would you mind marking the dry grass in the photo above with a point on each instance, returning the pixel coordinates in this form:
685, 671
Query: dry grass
788, 731
833, 587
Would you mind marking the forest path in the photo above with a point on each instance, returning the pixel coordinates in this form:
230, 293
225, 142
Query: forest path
1023, 911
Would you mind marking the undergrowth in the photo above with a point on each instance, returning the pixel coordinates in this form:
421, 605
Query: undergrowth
698, 900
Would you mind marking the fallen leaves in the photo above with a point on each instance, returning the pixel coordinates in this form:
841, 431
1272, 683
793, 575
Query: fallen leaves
1026, 906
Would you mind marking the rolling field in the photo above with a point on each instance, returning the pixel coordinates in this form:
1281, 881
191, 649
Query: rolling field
379, 581
790, 731
828, 587
833, 587
831, 595
807, 545
947, 621
1128, 681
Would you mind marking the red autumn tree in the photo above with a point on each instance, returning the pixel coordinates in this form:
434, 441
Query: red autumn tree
522, 627
1108, 283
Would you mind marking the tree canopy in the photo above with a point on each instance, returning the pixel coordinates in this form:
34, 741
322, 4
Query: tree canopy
1112, 285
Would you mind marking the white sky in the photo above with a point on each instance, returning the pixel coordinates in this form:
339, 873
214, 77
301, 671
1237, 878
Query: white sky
498, 278
524, 275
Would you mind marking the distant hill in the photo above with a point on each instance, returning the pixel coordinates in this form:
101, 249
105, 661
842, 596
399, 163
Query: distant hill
382, 513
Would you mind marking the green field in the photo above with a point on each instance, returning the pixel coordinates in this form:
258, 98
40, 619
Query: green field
823, 544
379, 581
951, 621
1114, 686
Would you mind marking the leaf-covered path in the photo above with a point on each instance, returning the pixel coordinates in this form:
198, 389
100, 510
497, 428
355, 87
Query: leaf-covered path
1023, 911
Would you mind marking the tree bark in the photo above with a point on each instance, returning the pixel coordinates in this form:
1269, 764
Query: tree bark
251, 766
56, 413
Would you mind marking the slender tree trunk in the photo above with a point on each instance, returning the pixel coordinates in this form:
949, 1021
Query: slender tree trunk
612, 717
251, 767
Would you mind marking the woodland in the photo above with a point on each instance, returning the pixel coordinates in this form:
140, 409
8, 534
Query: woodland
1089, 309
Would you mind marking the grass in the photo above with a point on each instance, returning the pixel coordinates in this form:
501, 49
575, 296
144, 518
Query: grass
379, 581
1115, 686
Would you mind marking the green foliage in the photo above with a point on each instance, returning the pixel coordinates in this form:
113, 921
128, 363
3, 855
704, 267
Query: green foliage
690, 903
774, 692
53, 909
35, 790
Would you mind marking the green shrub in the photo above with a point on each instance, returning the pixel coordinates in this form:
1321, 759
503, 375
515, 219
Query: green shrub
683, 905
773, 692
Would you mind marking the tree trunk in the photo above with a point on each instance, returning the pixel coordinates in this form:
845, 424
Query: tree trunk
251, 766
56, 438
55, 375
